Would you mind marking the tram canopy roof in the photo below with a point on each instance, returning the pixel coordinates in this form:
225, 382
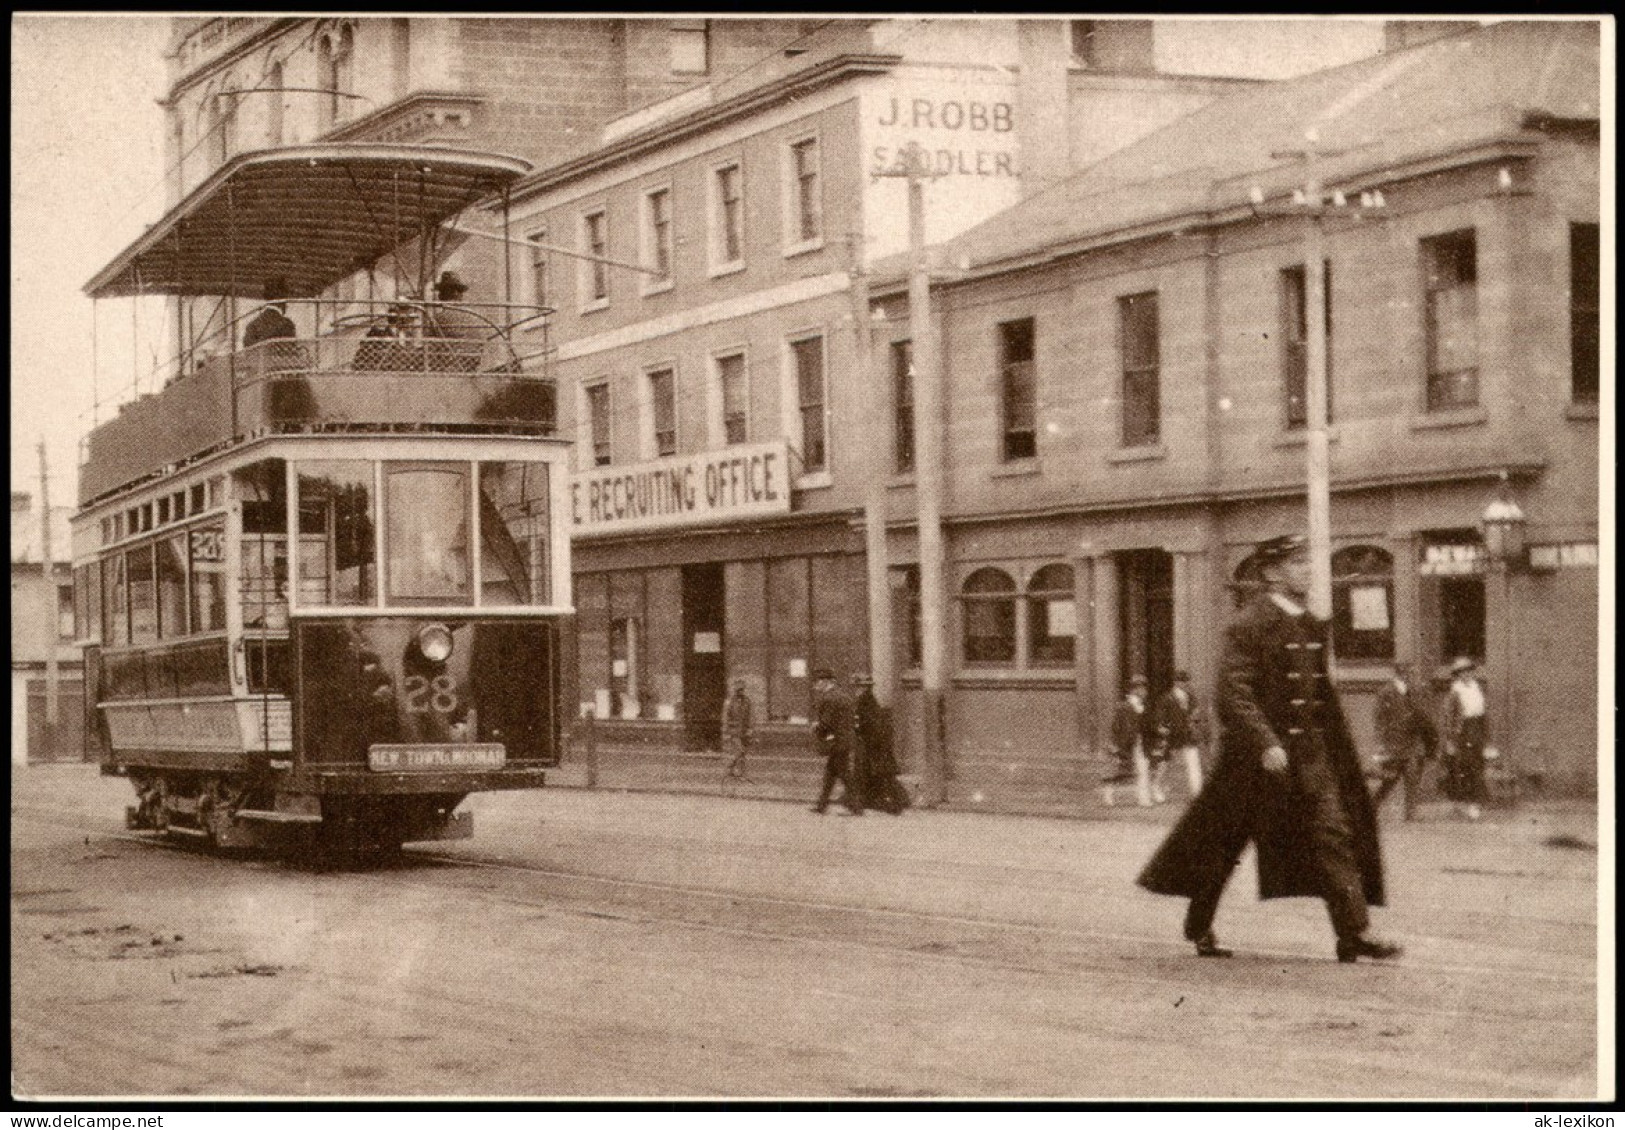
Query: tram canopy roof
309, 215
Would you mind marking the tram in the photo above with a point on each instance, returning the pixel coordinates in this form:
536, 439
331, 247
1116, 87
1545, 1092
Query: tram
323, 579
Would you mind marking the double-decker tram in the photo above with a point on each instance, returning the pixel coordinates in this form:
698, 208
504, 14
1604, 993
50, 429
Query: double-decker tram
323, 578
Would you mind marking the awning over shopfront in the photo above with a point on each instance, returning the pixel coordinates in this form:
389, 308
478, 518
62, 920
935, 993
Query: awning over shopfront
308, 215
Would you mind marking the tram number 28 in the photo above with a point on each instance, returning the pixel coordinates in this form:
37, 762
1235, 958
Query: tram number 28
423, 695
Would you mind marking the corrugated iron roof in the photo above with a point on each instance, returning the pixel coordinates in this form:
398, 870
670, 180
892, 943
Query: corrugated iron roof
308, 214
1371, 114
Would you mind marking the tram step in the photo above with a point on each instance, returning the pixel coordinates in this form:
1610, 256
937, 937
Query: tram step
278, 817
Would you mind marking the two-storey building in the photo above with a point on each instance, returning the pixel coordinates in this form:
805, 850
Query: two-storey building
42, 630
1124, 364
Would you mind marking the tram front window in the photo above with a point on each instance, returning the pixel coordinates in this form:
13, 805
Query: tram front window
426, 533
336, 558
513, 534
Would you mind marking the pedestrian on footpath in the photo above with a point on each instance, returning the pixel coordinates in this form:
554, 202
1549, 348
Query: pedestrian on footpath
1131, 733
738, 731
1287, 776
881, 789
834, 726
1181, 728
1408, 740
1466, 727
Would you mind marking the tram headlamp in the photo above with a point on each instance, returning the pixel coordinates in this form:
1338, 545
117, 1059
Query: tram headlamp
434, 641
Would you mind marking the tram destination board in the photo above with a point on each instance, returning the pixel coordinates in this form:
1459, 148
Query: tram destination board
407, 757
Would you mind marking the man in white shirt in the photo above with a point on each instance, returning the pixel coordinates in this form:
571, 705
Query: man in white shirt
1466, 727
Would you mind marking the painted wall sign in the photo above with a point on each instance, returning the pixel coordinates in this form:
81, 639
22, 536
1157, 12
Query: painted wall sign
1452, 560
743, 481
1565, 555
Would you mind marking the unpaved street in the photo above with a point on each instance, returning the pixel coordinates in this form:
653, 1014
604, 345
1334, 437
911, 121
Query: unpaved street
617, 944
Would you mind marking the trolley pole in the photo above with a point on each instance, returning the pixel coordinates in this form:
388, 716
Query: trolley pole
872, 399
913, 164
48, 564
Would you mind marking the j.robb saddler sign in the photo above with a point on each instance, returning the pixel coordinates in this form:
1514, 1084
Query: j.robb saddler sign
744, 481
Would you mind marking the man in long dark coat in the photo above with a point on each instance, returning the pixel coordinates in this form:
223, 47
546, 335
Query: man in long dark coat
1287, 776
834, 735
881, 788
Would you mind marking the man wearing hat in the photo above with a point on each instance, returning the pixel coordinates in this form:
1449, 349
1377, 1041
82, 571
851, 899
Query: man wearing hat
1179, 730
272, 321
738, 730
874, 762
460, 332
1130, 730
1407, 739
834, 725
1287, 776
1466, 727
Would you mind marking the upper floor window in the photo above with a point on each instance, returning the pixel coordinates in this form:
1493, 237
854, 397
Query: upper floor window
690, 47
657, 236
1052, 616
728, 220
1363, 603
735, 397
1450, 272
663, 411
222, 126
806, 195
273, 109
1084, 36
598, 423
1138, 334
1018, 389
902, 383
595, 270
808, 355
64, 612
1584, 324
1295, 342
540, 285
989, 599
334, 53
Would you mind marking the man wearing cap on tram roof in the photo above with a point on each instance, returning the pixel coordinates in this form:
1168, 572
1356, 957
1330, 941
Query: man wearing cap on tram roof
272, 321
459, 331
1287, 776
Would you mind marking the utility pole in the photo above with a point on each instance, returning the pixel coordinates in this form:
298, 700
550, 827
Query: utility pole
913, 164
49, 566
872, 398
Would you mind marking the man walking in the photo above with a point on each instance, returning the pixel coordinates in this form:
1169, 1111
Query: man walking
1407, 736
1466, 727
833, 736
738, 731
875, 757
1286, 778
1130, 727
1179, 732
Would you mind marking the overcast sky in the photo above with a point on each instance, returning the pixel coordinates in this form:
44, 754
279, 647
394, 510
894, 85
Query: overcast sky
87, 177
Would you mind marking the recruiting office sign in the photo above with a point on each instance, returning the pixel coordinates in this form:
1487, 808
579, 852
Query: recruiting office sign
748, 480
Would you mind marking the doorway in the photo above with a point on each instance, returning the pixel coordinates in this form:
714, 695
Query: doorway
1145, 618
704, 668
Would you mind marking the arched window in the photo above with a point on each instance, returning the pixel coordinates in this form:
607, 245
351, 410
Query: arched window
334, 52
1051, 616
990, 617
1363, 603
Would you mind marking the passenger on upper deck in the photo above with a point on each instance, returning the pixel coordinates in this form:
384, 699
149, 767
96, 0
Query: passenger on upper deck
272, 321
459, 332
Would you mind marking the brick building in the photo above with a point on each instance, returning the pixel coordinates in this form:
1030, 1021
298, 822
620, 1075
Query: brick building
1123, 367
706, 357
42, 624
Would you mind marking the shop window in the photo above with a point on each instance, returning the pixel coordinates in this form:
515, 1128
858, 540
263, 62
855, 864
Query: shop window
690, 47
989, 599
728, 216
1363, 604
808, 354
902, 384
663, 412
1018, 392
806, 194
594, 270
1450, 269
1138, 333
626, 697
598, 424
171, 579
1295, 342
657, 239
1052, 616
1584, 323
735, 398
905, 589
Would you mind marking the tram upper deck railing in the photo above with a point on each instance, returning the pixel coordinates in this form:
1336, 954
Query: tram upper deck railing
366, 376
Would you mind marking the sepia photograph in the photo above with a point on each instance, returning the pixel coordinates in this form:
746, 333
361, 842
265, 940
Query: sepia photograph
856, 560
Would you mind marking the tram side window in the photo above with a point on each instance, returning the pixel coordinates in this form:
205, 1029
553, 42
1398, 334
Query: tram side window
336, 534
116, 609
143, 603
264, 580
514, 559
171, 553
208, 572
426, 533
